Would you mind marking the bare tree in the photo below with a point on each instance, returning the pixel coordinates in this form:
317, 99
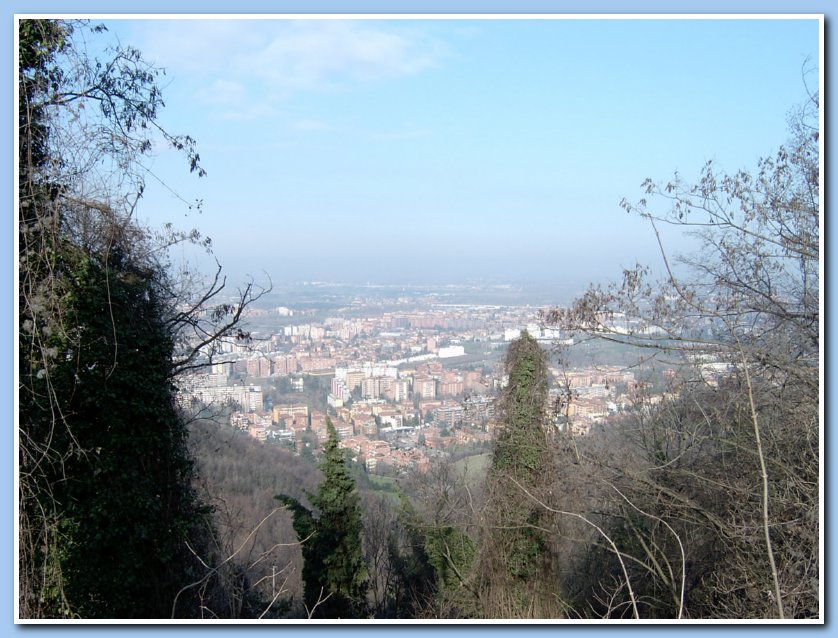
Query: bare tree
730, 458
447, 517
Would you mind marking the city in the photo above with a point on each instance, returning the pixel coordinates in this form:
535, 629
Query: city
404, 379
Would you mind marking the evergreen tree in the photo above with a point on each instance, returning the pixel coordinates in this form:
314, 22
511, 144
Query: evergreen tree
333, 570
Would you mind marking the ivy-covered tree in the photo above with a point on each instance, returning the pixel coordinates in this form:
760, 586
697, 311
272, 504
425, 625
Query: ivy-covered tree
126, 506
105, 504
514, 557
334, 574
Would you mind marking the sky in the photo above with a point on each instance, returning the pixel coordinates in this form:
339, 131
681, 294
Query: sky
445, 150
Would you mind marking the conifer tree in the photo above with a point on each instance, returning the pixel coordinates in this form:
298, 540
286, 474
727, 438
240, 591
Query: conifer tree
334, 574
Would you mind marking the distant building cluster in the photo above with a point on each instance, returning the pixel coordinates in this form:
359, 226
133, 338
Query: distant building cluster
402, 387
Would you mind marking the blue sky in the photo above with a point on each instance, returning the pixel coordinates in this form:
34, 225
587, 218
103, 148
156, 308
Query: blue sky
451, 150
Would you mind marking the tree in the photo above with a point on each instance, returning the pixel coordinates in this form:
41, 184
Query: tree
334, 573
126, 506
105, 503
444, 519
728, 464
256, 565
514, 556
400, 575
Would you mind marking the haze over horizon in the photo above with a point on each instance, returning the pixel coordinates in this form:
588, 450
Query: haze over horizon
436, 151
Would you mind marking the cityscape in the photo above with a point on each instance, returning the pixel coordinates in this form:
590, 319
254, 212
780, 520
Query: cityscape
404, 379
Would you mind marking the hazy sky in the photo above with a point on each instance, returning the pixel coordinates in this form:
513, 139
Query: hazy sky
450, 150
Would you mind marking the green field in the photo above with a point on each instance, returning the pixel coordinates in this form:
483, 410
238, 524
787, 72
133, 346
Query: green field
474, 467
382, 483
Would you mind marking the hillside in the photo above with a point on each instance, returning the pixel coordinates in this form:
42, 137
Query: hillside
239, 477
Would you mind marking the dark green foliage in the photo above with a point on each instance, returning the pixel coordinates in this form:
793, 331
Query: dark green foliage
40, 576
333, 567
39, 42
126, 505
451, 554
106, 505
